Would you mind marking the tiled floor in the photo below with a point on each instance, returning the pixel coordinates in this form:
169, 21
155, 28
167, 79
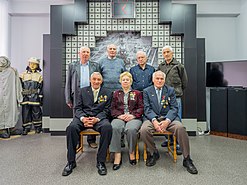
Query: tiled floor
40, 159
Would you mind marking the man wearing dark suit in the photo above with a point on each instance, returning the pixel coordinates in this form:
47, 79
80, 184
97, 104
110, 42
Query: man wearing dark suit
78, 75
161, 111
91, 111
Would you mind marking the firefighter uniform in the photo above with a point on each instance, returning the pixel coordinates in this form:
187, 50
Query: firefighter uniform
32, 84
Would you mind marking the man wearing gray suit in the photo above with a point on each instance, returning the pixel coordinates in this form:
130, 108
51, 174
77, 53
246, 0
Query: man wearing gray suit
161, 111
78, 75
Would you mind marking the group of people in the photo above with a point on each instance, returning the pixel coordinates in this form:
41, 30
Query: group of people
109, 99
26, 90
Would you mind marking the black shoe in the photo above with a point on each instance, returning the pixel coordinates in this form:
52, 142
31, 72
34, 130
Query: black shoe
151, 161
117, 166
101, 168
165, 143
188, 163
38, 130
68, 168
132, 162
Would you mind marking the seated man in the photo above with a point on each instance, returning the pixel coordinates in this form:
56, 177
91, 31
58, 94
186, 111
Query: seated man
161, 111
91, 111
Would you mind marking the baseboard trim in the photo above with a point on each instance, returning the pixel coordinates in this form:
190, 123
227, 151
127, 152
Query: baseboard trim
58, 133
191, 133
46, 130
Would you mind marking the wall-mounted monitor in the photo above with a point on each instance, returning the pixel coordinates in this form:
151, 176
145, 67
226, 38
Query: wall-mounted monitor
226, 73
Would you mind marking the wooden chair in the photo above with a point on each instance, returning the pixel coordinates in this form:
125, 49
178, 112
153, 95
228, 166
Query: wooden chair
86, 133
93, 132
169, 134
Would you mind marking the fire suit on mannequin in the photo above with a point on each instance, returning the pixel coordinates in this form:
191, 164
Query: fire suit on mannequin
32, 84
10, 97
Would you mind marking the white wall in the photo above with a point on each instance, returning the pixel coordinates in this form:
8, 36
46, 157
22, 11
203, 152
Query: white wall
220, 37
221, 23
4, 22
241, 31
27, 39
29, 20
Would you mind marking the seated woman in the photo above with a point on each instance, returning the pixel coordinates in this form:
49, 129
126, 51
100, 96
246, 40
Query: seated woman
127, 111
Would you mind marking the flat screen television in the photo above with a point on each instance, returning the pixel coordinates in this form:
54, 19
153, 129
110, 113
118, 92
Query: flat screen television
227, 73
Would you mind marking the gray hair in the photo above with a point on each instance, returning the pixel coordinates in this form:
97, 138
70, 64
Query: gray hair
141, 52
83, 47
158, 72
167, 47
108, 46
96, 73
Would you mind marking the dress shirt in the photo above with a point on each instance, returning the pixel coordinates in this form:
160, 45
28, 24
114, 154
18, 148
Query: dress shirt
142, 78
95, 94
84, 78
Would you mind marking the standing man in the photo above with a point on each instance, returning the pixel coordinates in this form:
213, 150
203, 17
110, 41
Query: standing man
92, 110
111, 67
161, 111
176, 77
78, 76
142, 72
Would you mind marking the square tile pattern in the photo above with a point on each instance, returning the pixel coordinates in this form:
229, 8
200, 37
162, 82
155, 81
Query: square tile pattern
100, 22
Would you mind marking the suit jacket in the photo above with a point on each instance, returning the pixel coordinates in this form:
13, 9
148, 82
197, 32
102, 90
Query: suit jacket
86, 107
73, 79
135, 103
167, 108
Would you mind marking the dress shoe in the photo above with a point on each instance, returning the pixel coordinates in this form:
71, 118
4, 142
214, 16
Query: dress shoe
188, 163
38, 130
93, 145
132, 162
68, 168
101, 168
165, 143
151, 161
117, 166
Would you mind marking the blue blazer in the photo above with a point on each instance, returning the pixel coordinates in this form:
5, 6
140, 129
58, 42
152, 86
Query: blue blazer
86, 107
167, 107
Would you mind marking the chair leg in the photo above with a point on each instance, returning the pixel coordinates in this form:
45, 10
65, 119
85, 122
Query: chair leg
169, 144
108, 155
80, 147
145, 152
174, 148
137, 152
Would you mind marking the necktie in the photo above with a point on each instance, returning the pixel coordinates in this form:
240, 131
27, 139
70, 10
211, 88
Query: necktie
159, 95
95, 95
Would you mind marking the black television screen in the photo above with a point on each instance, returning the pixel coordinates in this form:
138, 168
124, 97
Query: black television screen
229, 73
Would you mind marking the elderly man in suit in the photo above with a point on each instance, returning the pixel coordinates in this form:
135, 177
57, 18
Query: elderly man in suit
161, 111
91, 111
78, 75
